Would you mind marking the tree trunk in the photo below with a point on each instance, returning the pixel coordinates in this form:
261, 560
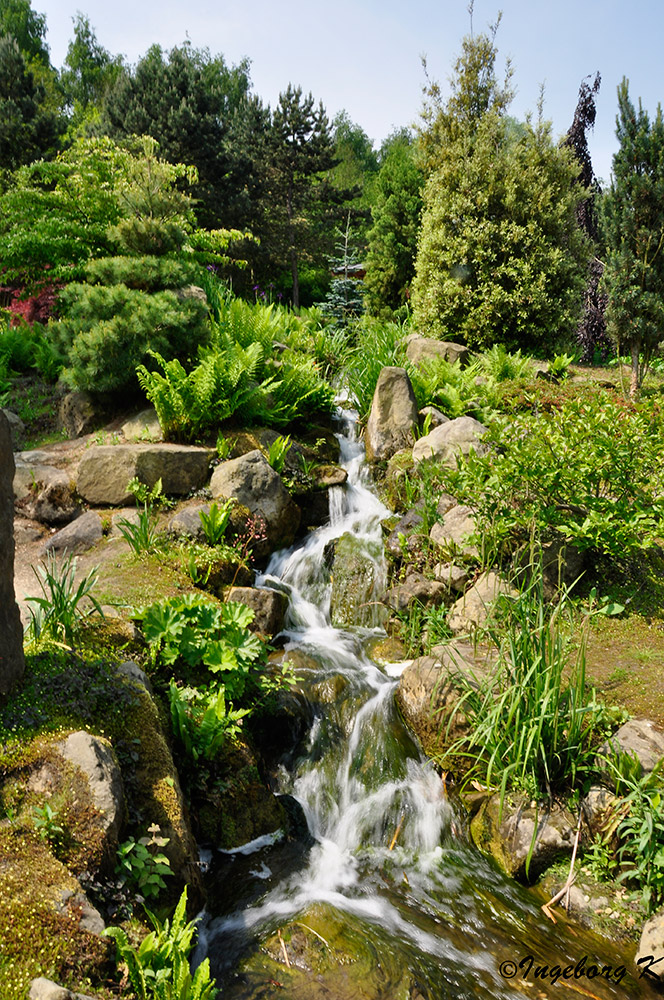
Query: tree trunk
293, 250
635, 380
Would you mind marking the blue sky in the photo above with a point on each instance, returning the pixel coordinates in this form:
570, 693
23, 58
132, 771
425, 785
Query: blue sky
365, 55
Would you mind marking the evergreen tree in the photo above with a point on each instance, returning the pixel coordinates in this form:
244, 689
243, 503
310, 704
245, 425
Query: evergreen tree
633, 223
396, 213
299, 194
28, 130
345, 300
27, 28
500, 256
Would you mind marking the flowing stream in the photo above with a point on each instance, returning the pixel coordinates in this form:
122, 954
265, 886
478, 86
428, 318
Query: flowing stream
385, 896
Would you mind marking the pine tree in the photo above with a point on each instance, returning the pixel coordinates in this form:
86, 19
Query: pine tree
28, 130
633, 223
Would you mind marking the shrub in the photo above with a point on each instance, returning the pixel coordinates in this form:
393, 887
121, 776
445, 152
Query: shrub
202, 720
59, 608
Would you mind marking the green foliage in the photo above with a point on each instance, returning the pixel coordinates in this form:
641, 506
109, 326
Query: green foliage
532, 724
28, 128
142, 535
589, 471
59, 610
142, 865
378, 345
147, 273
198, 637
396, 211
45, 820
150, 496
641, 838
277, 452
633, 228
344, 301
202, 720
88, 72
215, 522
159, 968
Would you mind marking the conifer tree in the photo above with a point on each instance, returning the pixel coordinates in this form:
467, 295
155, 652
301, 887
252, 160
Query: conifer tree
633, 223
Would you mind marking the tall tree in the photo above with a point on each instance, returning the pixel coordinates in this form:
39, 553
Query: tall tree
27, 28
396, 213
633, 223
89, 71
500, 256
193, 104
28, 130
301, 153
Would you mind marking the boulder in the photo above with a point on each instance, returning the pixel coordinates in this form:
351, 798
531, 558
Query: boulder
650, 952
408, 524
12, 663
429, 690
436, 418
79, 414
79, 536
95, 758
452, 531
187, 521
89, 917
54, 503
358, 583
421, 350
46, 989
144, 426
16, 428
472, 610
507, 834
256, 486
31, 475
105, 470
599, 807
452, 576
641, 739
446, 442
393, 418
416, 589
269, 607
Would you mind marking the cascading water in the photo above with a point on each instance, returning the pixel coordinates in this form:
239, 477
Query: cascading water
387, 898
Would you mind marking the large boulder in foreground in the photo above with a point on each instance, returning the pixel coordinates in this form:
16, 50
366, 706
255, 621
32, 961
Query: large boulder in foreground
447, 441
394, 416
12, 663
255, 485
105, 470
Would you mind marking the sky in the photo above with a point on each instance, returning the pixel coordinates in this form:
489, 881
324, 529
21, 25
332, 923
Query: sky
365, 56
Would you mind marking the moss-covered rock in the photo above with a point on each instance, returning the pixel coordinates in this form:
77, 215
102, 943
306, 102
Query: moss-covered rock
358, 584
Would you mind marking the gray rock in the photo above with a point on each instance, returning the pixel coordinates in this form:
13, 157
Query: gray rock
54, 503
436, 417
472, 610
26, 532
452, 531
452, 576
105, 470
45, 989
130, 514
421, 350
409, 523
95, 759
16, 428
256, 486
133, 672
429, 690
12, 663
79, 536
89, 918
393, 416
144, 426
651, 946
29, 476
507, 835
640, 738
598, 809
79, 414
269, 607
446, 442
187, 521
416, 589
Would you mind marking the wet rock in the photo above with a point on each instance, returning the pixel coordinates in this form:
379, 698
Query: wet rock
357, 584
416, 589
12, 663
256, 486
472, 610
453, 530
144, 426
429, 690
641, 739
507, 834
393, 416
105, 470
422, 350
269, 607
445, 443
399, 467
80, 535
95, 759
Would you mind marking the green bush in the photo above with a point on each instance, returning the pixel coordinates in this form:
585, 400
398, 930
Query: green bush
202, 720
149, 273
590, 471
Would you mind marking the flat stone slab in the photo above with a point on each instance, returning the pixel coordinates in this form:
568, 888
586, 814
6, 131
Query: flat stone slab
105, 470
